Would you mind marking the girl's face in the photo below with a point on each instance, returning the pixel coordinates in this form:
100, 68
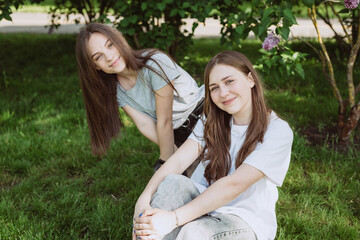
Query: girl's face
230, 90
105, 55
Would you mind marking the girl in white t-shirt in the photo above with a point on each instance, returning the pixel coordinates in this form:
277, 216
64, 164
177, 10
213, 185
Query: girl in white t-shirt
161, 98
246, 149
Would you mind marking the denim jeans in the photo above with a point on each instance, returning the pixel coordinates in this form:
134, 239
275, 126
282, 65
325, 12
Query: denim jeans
177, 190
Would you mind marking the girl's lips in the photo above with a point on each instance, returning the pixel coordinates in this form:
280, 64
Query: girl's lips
114, 62
229, 101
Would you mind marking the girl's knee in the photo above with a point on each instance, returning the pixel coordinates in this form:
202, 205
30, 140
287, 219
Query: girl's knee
192, 231
174, 180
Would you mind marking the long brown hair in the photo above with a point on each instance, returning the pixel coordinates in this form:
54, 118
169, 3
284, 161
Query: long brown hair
99, 88
217, 129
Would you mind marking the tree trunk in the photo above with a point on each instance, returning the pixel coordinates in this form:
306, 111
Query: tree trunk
350, 124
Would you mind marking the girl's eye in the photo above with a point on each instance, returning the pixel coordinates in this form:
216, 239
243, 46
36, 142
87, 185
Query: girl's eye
229, 81
212, 89
110, 45
97, 57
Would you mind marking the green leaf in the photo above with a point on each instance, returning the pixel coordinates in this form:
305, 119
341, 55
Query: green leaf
289, 17
186, 5
308, 3
264, 25
161, 6
255, 2
345, 10
173, 12
194, 26
182, 13
6, 15
256, 29
267, 12
268, 63
131, 31
288, 70
194, 8
133, 19
283, 31
299, 69
124, 23
240, 29
143, 6
295, 55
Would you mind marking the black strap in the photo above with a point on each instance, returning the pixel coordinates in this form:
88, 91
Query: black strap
158, 164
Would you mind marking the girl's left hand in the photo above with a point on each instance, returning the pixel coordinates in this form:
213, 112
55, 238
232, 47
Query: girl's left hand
154, 224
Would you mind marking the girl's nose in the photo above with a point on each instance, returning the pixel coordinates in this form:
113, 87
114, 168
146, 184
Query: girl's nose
224, 91
108, 56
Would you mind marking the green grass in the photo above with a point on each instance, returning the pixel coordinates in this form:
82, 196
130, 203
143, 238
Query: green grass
52, 187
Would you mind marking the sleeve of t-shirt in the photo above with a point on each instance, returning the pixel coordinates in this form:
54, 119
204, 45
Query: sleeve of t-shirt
198, 133
272, 157
121, 98
165, 65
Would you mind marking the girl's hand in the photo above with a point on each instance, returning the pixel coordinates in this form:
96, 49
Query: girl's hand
140, 207
154, 224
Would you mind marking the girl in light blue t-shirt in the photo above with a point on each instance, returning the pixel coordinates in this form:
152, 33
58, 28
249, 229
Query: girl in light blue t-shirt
161, 98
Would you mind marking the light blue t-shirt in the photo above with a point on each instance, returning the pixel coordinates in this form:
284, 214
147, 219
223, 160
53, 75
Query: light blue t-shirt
142, 97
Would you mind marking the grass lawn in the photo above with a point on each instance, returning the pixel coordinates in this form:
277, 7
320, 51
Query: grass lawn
52, 187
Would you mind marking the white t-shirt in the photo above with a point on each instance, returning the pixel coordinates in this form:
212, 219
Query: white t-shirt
142, 98
256, 205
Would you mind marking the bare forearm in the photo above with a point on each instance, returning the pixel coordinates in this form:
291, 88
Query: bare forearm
217, 195
148, 129
220, 193
176, 164
166, 139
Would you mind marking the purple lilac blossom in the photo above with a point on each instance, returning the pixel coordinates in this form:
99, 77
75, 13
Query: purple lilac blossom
351, 4
270, 42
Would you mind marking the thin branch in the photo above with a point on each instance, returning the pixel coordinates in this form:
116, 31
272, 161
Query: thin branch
328, 1
320, 55
342, 24
350, 68
327, 21
312, 15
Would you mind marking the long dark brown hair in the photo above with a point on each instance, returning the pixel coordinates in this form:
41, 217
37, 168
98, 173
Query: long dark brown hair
99, 88
217, 134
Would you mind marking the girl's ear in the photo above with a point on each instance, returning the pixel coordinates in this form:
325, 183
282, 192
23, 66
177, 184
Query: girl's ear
251, 80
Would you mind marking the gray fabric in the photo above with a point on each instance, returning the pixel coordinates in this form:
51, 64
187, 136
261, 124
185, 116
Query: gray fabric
142, 96
177, 190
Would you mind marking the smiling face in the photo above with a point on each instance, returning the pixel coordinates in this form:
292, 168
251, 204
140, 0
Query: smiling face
104, 54
230, 90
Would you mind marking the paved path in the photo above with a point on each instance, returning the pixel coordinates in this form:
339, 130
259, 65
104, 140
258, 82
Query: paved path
35, 22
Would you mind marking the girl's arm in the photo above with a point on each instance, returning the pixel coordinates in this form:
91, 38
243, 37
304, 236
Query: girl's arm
164, 103
177, 163
217, 195
230, 187
143, 122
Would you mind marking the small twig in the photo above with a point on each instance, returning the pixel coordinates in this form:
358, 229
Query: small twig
114, 197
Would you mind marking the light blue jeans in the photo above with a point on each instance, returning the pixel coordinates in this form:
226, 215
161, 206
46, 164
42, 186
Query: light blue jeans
177, 190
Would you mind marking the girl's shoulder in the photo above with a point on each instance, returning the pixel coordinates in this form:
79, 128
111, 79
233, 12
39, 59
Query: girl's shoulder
155, 55
278, 126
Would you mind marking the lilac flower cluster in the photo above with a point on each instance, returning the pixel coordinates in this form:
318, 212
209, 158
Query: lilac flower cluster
351, 4
270, 42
